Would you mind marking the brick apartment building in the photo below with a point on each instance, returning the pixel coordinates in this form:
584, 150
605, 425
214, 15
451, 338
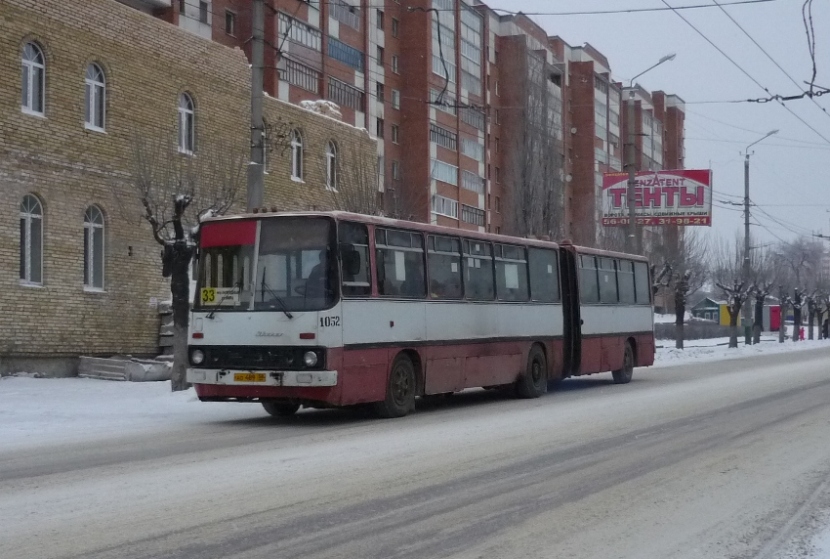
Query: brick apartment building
77, 275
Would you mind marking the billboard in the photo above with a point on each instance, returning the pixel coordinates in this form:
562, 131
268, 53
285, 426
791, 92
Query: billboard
679, 197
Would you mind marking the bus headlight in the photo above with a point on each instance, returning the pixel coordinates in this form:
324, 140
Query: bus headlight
197, 356
310, 358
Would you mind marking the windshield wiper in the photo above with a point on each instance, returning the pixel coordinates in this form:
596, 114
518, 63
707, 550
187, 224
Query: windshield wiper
274, 295
219, 304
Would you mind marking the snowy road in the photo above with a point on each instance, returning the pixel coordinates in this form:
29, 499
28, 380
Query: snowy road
718, 459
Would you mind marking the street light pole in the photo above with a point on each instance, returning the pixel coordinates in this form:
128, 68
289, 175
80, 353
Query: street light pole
632, 242
746, 268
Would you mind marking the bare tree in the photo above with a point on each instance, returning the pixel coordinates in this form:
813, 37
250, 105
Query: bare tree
535, 201
797, 303
760, 294
173, 192
736, 296
783, 301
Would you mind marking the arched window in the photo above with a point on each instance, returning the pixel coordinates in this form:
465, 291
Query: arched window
187, 124
94, 248
34, 79
331, 166
31, 240
296, 155
95, 98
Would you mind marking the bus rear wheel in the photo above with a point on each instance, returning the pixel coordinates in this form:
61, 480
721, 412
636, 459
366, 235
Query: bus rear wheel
534, 382
400, 389
623, 375
280, 409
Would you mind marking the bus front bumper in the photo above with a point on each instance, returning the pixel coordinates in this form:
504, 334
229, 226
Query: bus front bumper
235, 377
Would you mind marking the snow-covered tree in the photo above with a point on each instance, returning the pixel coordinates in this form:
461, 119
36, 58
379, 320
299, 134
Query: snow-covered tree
736, 295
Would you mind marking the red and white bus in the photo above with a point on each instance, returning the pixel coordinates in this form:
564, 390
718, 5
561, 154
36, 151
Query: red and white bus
326, 309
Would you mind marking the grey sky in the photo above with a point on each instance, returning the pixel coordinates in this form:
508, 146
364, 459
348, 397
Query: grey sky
786, 169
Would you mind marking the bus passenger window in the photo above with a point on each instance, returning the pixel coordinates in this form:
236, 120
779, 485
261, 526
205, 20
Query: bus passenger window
400, 263
625, 280
444, 261
478, 271
511, 273
544, 275
607, 281
642, 283
588, 284
354, 259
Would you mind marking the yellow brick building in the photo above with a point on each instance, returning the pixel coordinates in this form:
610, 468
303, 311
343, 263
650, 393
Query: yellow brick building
79, 273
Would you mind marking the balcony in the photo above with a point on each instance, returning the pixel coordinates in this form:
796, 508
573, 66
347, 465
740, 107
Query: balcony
148, 5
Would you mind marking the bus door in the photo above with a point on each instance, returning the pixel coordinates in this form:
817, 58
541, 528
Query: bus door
570, 307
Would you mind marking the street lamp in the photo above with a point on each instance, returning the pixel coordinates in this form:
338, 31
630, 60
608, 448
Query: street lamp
746, 219
632, 243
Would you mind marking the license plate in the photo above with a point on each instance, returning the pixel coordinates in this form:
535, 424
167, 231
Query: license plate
249, 377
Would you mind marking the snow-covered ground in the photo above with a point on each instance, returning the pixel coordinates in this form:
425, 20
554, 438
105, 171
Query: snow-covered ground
36, 412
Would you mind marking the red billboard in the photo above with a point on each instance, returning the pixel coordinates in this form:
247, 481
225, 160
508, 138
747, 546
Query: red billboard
679, 197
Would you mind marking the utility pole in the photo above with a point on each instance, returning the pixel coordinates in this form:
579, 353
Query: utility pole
631, 245
632, 241
746, 268
256, 169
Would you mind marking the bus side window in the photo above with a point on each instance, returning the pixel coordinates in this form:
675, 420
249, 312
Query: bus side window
608, 281
478, 271
511, 273
544, 275
625, 279
353, 244
400, 263
444, 262
642, 283
588, 283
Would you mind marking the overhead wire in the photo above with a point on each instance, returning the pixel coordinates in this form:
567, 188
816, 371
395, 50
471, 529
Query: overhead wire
769, 56
743, 71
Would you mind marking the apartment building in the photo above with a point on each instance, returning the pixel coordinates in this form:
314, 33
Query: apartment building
458, 97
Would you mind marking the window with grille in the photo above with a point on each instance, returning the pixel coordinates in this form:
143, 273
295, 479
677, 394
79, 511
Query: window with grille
473, 117
299, 74
345, 95
443, 137
470, 214
299, 32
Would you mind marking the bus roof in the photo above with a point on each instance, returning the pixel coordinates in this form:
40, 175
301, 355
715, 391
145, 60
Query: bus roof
389, 222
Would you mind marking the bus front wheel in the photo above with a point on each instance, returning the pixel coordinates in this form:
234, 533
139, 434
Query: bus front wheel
623, 375
534, 382
280, 409
400, 389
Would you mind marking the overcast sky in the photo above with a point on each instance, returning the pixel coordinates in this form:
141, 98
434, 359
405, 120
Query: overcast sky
789, 176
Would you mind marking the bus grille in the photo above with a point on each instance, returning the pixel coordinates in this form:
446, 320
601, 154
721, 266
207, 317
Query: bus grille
257, 357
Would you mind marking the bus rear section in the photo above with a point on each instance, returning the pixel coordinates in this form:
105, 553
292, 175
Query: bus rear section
610, 321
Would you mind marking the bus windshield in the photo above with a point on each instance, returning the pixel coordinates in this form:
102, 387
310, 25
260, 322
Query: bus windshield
294, 269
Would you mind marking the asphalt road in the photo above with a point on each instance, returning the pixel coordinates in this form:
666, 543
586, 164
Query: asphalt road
728, 459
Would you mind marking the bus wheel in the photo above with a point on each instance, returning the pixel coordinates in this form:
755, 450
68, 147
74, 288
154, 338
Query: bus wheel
280, 409
623, 376
534, 382
400, 389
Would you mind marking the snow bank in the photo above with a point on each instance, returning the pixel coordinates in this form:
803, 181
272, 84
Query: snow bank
718, 348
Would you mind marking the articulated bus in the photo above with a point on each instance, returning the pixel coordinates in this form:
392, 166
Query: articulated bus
326, 309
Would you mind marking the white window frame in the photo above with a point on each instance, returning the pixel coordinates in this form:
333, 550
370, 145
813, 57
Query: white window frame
31, 212
187, 124
296, 156
396, 99
95, 93
94, 224
34, 68
331, 166
395, 64
396, 134
441, 205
